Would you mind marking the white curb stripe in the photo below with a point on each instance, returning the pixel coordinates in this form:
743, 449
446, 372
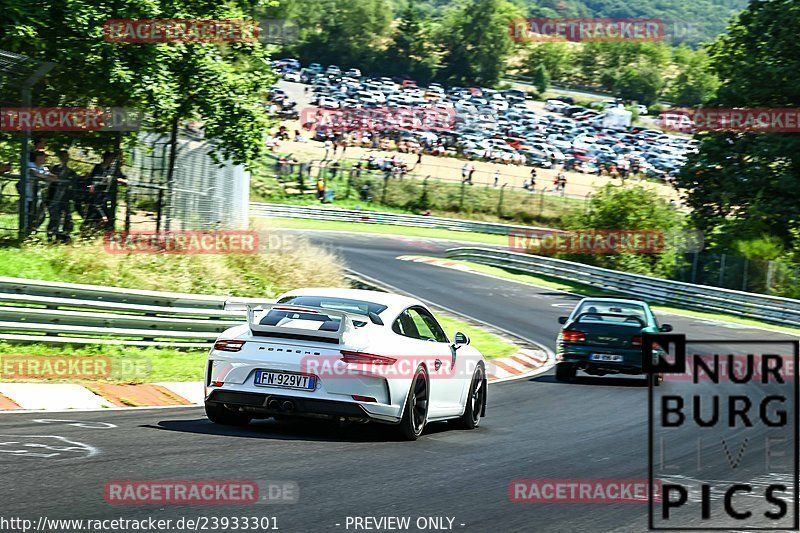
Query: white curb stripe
191, 391
53, 396
514, 364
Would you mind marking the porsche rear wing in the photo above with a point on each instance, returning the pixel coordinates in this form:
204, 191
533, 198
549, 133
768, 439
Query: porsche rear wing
346, 321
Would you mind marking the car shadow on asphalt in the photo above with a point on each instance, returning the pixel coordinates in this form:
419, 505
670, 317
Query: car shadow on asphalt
607, 381
296, 430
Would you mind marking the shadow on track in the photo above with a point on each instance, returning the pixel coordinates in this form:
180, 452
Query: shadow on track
597, 381
296, 430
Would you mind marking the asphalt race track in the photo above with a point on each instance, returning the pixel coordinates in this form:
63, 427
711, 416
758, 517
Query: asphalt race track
594, 428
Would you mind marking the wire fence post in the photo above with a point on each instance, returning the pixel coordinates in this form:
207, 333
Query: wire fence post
385, 186
159, 209
744, 274
500, 201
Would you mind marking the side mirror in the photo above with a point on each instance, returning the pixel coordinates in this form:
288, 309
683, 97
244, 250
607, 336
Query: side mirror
665, 328
460, 338
562, 319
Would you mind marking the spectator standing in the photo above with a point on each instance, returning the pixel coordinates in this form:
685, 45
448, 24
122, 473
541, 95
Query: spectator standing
533, 179
364, 193
464, 171
320, 188
496, 177
328, 144
98, 211
33, 188
562, 182
60, 225
471, 173
335, 169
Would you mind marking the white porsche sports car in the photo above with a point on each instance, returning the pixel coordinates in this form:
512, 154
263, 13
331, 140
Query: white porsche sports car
344, 354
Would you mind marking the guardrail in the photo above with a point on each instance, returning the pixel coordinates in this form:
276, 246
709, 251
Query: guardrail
772, 309
51, 312
264, 210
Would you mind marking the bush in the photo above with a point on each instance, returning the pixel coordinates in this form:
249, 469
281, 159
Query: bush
631, 208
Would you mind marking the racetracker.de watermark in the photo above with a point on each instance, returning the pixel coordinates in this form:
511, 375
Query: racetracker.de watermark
417, 118
70, 119
350, 365
70, 368
182, 242
586, 241
152, 31
586, 29
580, 491
752, 120
200, 492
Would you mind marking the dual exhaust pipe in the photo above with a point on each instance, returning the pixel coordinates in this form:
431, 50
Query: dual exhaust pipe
276, 405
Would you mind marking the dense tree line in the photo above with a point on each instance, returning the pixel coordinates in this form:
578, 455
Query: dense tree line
221, 85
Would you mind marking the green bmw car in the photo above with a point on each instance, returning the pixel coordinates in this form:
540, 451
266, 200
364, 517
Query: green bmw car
604, 336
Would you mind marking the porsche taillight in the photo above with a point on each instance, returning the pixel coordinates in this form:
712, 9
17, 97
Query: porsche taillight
573, 336
637, 340
365, 358
228, 345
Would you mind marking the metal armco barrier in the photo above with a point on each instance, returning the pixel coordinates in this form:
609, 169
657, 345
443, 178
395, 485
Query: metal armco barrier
772, 309
51, 312
262, 210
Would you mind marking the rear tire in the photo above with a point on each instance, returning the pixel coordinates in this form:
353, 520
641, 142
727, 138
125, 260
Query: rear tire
219, 414
415, 414
565, 372
476, 402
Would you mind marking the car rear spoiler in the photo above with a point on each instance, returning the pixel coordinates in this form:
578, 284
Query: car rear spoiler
615, 315
346, 320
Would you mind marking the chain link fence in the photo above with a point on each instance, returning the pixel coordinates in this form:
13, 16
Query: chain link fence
401, 187
204, 194
738, 273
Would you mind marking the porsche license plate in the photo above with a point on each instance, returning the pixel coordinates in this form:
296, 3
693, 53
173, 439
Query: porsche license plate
612, 357
286, 380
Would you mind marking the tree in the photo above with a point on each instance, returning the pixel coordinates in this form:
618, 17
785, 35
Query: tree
751, 178
474, 36
642, 84
410, 52
631, 208
349, 33
541, 79
557, 58
220, 85
696, 83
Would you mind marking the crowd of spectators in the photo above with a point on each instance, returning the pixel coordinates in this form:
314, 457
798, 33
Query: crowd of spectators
57, 192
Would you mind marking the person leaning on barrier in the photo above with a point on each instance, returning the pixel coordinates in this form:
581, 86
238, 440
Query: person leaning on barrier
60, 225
104, 179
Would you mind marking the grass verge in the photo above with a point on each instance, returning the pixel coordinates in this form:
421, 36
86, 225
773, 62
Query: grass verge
380, 229
261, 275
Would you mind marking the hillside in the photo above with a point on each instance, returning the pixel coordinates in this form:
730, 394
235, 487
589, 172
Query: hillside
693, 21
